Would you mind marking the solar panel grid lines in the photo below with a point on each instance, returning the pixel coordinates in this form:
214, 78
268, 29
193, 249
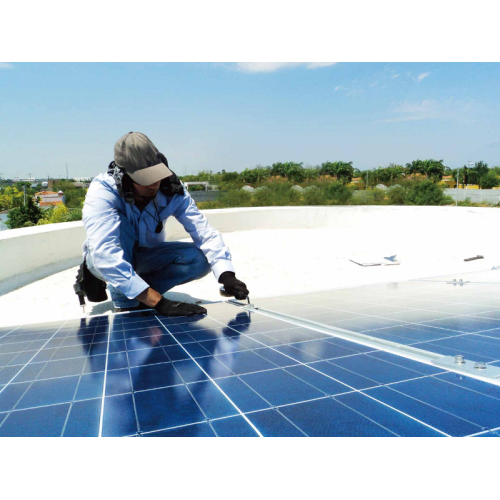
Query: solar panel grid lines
101, 415
435, 342
488, 433
223, 393
50, 380
272, 382
355, 390
486, 327
395, 388
365, 340
5, 331
22, 368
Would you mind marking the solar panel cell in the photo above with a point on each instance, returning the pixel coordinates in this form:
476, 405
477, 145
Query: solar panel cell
435, 417
387, 417
271, 423
328, 417
46, 421
168, 407
83, 419
233, 427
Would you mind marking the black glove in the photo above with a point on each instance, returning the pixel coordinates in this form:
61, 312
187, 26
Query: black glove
172, 308
233, 286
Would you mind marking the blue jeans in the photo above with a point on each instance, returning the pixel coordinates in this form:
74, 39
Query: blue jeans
162, 267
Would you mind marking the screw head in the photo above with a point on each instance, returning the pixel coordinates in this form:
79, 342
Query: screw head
480, 366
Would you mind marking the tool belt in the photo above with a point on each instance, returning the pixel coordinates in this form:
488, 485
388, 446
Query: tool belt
87, 285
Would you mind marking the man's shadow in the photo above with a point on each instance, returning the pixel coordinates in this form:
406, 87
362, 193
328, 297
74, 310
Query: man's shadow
95, 330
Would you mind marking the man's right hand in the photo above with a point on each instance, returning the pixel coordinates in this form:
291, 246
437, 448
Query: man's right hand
173, 308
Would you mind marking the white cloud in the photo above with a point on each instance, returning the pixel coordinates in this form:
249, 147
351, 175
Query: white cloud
410, 111
269, 67
6, 65
451, 110
396, 76
423, 75
338, 87
314, 65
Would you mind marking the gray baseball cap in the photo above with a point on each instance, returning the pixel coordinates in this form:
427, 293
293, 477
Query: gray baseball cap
138, 156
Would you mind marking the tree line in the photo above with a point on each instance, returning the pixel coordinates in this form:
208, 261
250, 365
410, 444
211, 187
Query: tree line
344, 172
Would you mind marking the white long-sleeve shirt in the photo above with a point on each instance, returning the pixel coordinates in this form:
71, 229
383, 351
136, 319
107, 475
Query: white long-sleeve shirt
101, 218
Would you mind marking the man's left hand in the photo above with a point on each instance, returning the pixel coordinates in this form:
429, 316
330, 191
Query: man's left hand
234, 286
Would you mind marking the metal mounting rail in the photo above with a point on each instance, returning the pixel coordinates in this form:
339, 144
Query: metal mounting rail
458, 364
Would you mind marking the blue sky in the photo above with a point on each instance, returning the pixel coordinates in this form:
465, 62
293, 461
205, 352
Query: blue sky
233, 116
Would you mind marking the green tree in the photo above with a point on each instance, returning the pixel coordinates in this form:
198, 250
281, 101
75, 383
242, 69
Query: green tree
396, 195
249, 176
426, 193
396, 172
329, 168
314, 196
490, 180
59, 214
383, 175
338, 194
18, 217
415, 167
433, 169
229, 176
278, 169
345, 172
311, 173
342, 171
294, 171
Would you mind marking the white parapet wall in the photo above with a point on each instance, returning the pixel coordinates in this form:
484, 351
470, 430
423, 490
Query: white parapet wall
29, 254
32, 253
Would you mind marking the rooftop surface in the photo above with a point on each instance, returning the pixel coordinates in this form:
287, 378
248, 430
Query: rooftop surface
274, 262
331, 348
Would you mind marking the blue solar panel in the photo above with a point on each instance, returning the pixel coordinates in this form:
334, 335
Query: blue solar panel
232, 373
436, 316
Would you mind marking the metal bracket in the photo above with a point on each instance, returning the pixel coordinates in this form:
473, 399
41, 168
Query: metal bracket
242, 304
458, 363
455, 282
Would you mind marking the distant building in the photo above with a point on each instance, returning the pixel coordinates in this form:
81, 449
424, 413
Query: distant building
49, 198
448, 181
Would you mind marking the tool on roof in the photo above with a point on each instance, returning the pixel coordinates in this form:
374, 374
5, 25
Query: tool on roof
474, 258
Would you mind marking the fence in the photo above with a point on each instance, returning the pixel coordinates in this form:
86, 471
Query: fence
204, 195
490, 196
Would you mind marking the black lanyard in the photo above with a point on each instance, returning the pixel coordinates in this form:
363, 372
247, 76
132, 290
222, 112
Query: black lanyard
157, 219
